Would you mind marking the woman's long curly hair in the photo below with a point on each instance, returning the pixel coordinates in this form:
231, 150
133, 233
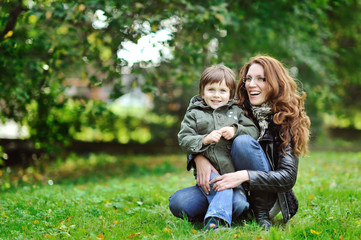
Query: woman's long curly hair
286, 103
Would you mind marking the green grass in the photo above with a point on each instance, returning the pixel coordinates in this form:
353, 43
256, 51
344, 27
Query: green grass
126, 197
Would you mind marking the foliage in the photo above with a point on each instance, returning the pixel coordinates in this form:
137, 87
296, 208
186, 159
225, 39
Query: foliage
44, 42
3, 156
94, 121
345, 42
115, 197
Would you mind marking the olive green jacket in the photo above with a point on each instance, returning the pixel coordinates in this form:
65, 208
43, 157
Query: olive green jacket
201, 119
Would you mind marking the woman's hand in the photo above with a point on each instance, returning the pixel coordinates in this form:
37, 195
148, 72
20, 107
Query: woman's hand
204, 169
230, 180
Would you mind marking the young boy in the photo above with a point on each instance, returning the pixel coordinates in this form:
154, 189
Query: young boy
212, 121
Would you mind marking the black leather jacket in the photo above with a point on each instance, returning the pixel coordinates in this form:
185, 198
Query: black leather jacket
283, 174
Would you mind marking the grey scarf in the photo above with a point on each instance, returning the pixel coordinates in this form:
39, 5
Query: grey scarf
262, 114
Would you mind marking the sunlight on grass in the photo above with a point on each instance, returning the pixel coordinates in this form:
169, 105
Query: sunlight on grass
101, 196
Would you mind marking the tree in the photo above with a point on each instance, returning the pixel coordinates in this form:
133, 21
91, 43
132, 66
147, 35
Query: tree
43, 42
343, 19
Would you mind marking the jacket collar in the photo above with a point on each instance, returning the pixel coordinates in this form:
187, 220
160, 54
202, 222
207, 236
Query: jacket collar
267, 137
197, 102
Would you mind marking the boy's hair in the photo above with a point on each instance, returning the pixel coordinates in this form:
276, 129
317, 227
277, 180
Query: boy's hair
218, 73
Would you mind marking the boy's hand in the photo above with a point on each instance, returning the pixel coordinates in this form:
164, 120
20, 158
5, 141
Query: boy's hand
227, 132
214, 136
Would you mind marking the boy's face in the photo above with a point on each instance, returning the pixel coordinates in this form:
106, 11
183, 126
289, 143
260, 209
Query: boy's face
216, 94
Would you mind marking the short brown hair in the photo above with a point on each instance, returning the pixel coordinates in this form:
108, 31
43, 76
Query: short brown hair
216, 74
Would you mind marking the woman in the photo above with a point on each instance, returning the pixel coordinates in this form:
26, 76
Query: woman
267, 168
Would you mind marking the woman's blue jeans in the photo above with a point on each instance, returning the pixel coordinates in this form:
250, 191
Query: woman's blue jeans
193, 204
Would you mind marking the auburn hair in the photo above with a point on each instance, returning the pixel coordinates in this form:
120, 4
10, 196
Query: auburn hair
286, 102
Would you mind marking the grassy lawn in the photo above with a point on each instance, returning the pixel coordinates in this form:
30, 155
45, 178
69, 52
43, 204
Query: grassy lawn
126, 197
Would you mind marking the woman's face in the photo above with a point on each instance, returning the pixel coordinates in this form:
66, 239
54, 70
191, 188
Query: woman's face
257, 89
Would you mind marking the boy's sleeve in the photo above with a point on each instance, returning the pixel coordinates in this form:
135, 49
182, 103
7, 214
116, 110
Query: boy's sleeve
246, 126
188, 138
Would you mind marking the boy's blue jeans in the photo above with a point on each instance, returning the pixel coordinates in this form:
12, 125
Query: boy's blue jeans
221, 203
192, 203
195, 205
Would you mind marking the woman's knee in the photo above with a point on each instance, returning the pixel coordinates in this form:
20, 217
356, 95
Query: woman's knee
176, 205
242, 145
188, 202
242, 141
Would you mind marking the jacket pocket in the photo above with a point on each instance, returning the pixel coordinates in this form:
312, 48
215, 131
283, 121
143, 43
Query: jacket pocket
203, 126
